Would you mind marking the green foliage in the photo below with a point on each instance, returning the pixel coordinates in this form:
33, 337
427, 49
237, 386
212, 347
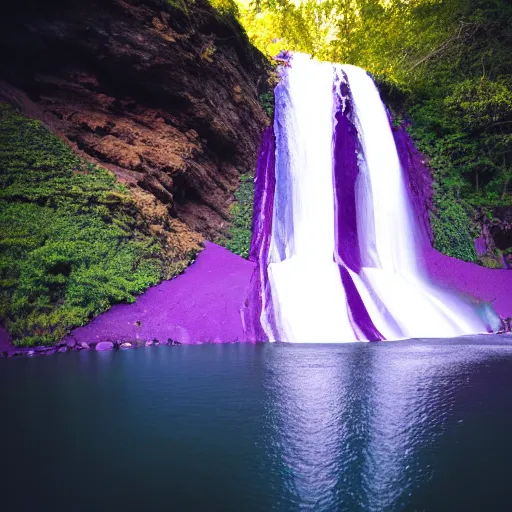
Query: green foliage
240, 234
479, 102
267, 103
225, 7
452, 228
70, 245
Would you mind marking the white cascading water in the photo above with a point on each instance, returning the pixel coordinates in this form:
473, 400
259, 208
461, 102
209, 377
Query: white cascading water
419, 308
309, 300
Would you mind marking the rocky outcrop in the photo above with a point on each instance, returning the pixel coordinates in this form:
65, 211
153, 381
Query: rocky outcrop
165, 98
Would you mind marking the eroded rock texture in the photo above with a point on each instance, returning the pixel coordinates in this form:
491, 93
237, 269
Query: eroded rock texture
166, 99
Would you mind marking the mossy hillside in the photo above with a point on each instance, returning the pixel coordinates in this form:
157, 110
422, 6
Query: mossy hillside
70, 242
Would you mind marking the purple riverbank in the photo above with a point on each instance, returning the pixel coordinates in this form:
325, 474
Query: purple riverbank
5, 344
202, 305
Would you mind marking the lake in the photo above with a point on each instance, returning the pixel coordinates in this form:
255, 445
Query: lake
392, 426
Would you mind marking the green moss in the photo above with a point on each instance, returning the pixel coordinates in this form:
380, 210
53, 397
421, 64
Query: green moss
240, 234
267, 103
70, 244
453, 229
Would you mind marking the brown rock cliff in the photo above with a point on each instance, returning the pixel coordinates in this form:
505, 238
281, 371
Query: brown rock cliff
166, 99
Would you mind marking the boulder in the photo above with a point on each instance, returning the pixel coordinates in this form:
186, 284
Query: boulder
104, 345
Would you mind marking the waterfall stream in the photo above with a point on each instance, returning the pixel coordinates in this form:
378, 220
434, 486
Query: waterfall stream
335, 236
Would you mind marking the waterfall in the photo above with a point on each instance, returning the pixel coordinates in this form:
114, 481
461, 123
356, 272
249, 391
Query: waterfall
335, 236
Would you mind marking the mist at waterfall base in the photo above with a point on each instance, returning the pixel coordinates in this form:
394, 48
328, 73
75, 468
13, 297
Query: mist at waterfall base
337, 240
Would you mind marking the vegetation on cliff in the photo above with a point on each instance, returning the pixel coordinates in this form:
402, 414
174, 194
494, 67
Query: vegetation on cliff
445, 64
239, 236
72, 239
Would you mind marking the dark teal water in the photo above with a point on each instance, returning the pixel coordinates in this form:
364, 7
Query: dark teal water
395, 426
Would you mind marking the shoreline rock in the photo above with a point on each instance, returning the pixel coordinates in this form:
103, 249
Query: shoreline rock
103, 346
11, 351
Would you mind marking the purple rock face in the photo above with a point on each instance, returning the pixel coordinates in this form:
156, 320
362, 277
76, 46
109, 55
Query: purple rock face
418, 183
480, 246
5, 342
493, 286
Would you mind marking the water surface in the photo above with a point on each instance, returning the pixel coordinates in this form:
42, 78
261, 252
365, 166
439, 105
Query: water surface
387, 426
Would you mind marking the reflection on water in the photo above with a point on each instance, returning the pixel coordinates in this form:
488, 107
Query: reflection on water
351, 433
311, 402
358, 427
